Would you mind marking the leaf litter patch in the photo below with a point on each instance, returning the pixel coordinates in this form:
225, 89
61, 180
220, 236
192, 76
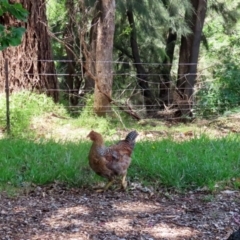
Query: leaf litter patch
58, 212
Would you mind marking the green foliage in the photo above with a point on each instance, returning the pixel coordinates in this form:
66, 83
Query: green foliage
23, 107
15, 10
10, 35
57, 20
220, 92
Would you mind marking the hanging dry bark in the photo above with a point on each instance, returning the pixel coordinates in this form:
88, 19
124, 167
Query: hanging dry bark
30, 64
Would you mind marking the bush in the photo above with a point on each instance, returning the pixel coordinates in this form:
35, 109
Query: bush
222, 93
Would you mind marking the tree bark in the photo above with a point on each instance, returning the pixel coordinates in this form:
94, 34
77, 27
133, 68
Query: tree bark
90, 53
141, 73
164, 93
88, 44
189, 52
104, 49
73, 80
29, 63
199, 18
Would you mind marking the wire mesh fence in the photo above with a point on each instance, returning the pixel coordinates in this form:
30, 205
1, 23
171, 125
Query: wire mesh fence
127, 94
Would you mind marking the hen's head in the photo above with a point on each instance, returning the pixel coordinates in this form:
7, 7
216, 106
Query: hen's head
95, 137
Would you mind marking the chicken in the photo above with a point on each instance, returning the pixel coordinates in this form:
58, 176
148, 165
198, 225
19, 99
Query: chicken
110, 162
235, 235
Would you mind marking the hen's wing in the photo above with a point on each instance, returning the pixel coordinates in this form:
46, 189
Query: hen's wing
118, 156
118, 159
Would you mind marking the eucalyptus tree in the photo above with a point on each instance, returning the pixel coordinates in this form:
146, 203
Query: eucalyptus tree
96, 43
105, 26
188, 56
74, 78
30, 62
190, 48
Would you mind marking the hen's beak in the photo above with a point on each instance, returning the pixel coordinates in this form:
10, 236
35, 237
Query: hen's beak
89, 135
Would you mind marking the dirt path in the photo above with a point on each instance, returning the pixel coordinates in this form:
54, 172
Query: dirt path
55, 212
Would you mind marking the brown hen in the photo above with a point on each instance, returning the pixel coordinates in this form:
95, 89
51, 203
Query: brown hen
112, 161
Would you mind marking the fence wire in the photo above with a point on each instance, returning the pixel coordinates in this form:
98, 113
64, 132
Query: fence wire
126, 91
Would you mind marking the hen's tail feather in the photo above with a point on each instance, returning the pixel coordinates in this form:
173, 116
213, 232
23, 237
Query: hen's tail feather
131, 136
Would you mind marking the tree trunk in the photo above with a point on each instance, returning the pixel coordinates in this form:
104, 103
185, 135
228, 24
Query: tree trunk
164, 93
141, 73
104, 49
189, 52
73, 80
89, 51
29, 63
199, 18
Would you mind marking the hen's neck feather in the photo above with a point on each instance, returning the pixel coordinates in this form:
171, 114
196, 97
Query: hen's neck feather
98, 141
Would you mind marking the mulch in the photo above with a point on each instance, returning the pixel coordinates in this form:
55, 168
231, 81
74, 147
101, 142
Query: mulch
58, 212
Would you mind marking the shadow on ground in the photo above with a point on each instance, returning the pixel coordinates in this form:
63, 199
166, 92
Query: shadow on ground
55, 212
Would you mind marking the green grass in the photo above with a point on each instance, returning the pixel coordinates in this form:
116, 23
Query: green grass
190, 164
23, 107
23, 161
186, 165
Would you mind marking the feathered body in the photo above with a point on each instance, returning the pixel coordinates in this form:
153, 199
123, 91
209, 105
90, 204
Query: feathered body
235, 235
111, 161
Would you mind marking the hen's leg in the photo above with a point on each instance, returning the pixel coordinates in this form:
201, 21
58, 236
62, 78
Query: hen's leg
105, 187
108, 184
124, 182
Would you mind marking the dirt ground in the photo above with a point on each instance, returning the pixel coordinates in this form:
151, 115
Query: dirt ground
48, 127
56, 212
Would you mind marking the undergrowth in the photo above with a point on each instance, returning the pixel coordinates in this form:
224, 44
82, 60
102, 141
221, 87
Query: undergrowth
24, 106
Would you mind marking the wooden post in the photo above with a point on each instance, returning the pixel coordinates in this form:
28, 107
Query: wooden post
7, 96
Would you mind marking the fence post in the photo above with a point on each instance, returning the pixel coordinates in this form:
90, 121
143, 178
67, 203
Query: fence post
7, 96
